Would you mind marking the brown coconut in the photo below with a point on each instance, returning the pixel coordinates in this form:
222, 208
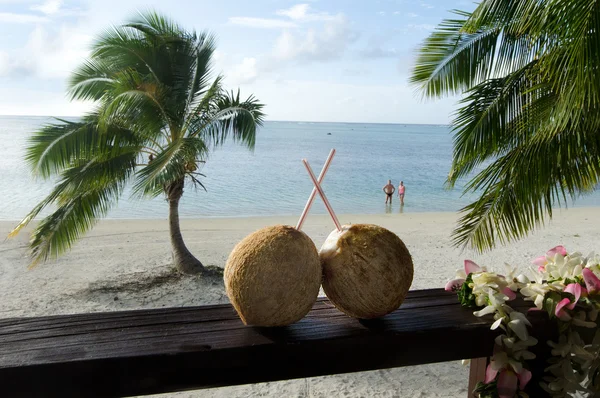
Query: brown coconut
273, 276
367, 270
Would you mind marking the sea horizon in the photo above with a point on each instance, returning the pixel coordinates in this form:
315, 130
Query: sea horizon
271, 180
266, 120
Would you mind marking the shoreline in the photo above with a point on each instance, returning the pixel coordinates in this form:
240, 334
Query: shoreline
394, 213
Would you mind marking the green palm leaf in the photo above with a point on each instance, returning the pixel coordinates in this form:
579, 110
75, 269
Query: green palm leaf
530, 116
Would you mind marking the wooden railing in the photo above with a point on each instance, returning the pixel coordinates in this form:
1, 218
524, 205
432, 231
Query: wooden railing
162, 350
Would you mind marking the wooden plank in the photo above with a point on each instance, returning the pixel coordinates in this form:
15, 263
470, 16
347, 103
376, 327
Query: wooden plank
153, 351
476, 374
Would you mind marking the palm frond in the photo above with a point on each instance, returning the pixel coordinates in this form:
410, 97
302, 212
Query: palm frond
531, 109
92, 80
172, 164
519, 189
236, 118
85, 192
56, 146
487, 124
56, 233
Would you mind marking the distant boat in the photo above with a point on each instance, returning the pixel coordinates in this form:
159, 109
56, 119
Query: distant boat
328, 133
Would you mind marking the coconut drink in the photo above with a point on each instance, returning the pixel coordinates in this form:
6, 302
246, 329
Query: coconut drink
273, 276
367, 270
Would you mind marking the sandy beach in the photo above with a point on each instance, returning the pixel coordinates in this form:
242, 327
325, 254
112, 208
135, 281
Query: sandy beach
124, 264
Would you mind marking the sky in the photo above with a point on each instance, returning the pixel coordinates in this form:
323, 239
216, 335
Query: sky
319, 60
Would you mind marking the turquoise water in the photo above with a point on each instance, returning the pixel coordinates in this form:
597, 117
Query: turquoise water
272, 180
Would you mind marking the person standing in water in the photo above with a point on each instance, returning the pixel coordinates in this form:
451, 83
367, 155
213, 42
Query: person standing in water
389, 191
401, 190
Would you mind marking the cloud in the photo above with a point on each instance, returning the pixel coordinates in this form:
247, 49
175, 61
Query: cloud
301, 41
245, 72
50, 7
10, 17
50, 53
328, 43
263, 23
382, 13
426, 5
412, 15
301, 13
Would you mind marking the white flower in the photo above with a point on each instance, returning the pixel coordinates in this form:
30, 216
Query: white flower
518, 323
496, 324
535, 292
562, 348
490, 309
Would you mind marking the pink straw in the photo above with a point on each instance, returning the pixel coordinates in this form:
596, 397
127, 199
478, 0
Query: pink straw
322, 194
311, 198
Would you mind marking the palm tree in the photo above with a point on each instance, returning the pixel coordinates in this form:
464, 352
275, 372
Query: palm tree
527, 131
159, 113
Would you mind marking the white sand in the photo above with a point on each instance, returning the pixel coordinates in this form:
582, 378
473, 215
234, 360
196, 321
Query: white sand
124, 264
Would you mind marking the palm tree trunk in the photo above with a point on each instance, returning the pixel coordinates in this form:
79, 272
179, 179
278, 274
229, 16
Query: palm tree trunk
183, 260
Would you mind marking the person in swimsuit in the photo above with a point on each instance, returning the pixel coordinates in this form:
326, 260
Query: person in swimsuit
401, 189
389, 191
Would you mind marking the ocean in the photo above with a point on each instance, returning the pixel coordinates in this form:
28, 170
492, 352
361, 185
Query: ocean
271, 180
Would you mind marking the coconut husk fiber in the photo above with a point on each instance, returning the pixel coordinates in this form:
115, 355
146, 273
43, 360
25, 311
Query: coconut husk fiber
273, 276
367, 270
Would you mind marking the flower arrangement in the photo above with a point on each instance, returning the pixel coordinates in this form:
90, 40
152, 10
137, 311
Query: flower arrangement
567, 287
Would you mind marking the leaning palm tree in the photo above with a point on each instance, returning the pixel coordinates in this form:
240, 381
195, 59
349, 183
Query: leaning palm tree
158, 113
527, 132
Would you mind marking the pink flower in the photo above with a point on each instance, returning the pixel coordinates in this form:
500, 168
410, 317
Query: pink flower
507, 380
557, 250
559, 312
471, 267
509, 293
576, 290
524, 378
591, 281
456, 284
541, 261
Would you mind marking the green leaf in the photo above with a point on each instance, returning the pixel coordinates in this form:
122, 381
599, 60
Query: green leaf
465, 294
489, 390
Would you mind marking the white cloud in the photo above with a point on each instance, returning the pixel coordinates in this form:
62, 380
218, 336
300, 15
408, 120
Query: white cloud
10, 17
49, 7
328, 43
313, 43
301, 13
426, 5
382, 13
245, 72
412, 15
264, 23
49, 53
